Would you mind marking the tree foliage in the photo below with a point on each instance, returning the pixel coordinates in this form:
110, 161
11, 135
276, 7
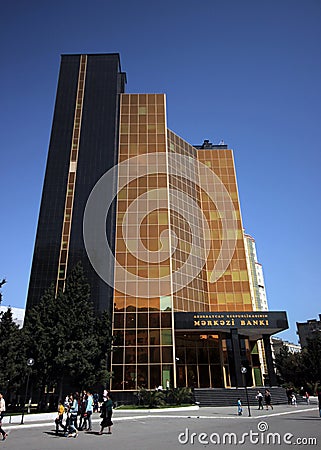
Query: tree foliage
69, 344
301, 369
12, 355
311, 361
2, 282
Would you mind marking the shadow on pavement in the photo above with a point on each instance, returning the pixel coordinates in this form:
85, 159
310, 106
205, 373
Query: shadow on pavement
53, 433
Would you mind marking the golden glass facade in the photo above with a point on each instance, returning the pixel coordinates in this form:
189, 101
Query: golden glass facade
143, 325
158, 232
232, 291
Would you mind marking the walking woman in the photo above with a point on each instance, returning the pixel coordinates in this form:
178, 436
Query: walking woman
106, 413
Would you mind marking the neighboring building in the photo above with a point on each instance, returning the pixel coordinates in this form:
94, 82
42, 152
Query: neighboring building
308, 329
279, 343
258, 294
173, 258
18, 314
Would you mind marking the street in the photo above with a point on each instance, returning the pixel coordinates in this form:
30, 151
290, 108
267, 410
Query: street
207, 427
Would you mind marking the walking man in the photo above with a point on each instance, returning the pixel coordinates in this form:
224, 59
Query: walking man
89, 409
2, 411
267, 398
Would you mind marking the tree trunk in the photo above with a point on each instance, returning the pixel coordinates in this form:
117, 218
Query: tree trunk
60, 391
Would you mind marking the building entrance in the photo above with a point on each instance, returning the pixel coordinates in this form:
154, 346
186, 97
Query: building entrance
199, 360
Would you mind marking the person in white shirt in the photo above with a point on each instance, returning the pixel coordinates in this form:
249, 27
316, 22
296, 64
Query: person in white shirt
259, 398
89, 409
2, 411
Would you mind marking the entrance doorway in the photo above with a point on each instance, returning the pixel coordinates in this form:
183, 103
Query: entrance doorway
198, 360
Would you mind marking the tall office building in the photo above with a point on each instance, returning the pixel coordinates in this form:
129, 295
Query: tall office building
258, 291
258, 295
171, 266
308, 330
83, 146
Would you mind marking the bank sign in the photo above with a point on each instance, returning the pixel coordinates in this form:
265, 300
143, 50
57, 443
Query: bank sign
267, 322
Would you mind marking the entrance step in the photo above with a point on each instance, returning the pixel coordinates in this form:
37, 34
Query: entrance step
228, 397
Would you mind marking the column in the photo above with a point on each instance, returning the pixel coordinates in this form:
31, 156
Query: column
237, 357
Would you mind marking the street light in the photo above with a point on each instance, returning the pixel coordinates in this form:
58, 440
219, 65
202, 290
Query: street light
30, 363
244, 371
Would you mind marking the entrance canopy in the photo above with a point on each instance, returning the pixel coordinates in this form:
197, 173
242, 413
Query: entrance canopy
254, 324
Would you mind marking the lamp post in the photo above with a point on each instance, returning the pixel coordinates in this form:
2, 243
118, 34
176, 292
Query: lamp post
30, 363
244, 371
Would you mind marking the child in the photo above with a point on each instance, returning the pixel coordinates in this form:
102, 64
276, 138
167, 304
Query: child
239, 407
58, 420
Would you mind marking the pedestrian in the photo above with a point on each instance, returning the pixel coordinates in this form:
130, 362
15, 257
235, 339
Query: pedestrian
89, 409
319, 401
59, 418
307, 398
2, 411
239, 407
83, 414
66, 403
289, 392
294, 402
96, 400
106, 413
259, 398
267, 398
73, 411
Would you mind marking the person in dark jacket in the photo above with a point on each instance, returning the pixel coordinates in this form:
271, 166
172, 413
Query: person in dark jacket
267, 398
106, 413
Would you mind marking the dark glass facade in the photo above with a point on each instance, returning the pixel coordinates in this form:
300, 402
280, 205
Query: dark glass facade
83, 146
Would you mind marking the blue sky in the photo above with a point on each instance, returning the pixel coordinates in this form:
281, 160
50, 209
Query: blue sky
244, 71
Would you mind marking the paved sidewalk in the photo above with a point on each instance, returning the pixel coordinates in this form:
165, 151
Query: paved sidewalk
172, 428
224, 412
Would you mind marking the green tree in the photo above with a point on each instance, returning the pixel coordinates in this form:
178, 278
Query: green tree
12, 354
40, 337
104, 342
289, 367
69, 344
311, 362
2, 282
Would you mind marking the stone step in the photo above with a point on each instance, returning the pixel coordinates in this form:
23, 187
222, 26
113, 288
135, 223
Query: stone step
228, 397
